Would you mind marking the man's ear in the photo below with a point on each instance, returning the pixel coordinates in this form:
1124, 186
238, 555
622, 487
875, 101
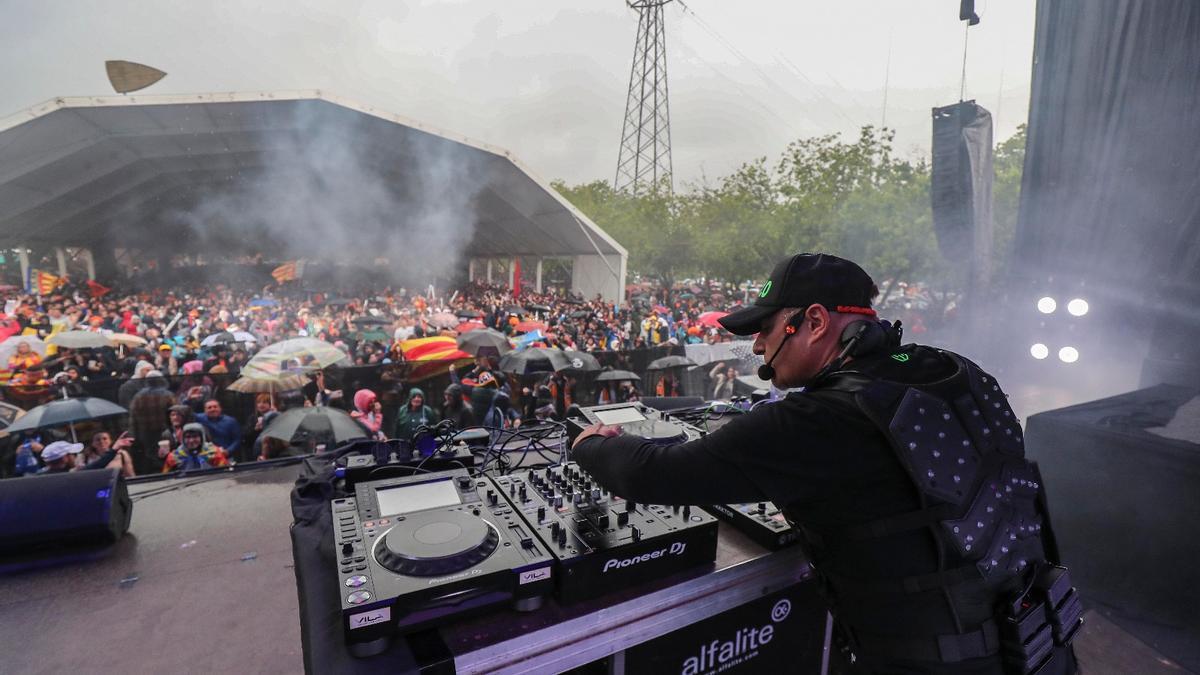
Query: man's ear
817, 319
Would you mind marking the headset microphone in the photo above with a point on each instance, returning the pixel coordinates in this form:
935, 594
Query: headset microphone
765, 371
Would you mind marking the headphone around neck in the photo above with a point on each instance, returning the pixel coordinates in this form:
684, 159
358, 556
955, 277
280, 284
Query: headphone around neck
858, 338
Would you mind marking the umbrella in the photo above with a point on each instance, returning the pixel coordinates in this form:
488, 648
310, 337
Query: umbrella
617, 376
661, 310
8, 414
225, 337
581, 362
309, 351
444, 320
318, 422
529, 326
468, 314
369, 335
263, 302
127, 340
530, 338
79, 339
66, 411
537, 308
710, 319
494, 339
672, 361
9, 346
535, 360
468, 326
367, 319
259, 385
514, 309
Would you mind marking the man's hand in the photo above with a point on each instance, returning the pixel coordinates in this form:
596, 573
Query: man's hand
605, 430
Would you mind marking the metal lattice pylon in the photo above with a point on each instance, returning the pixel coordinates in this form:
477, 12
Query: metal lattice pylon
644, 163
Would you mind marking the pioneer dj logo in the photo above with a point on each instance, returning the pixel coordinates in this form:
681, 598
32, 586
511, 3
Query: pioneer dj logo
675, 548
464, 575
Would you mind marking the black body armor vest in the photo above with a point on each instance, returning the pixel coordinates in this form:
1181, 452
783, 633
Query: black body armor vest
981, 503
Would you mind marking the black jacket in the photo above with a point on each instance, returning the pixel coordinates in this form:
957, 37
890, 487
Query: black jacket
830, 468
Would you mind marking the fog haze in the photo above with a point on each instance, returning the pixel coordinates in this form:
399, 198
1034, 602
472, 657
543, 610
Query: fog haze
548, 80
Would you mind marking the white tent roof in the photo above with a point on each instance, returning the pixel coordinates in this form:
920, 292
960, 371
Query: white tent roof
103, 170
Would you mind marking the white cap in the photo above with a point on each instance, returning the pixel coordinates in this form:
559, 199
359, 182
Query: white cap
60, 449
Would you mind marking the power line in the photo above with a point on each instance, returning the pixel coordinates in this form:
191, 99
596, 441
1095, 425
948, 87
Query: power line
762, 74
780, 60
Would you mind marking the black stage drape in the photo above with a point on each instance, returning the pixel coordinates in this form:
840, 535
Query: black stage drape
1111, 186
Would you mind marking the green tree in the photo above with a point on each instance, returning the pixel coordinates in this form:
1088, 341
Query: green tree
738, 225
645, 224
1009, 163
852, 198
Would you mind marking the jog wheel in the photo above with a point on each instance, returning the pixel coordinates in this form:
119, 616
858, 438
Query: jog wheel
435, 543
662, 432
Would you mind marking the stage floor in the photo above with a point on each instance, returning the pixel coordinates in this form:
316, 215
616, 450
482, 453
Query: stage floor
204, 583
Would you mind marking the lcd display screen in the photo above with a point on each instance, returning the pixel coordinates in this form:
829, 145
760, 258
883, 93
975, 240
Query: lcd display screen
417, 497
619, 415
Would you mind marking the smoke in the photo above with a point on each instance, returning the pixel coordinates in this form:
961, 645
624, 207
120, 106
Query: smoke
336, 186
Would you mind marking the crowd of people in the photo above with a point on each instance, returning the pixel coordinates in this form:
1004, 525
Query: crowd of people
173, 380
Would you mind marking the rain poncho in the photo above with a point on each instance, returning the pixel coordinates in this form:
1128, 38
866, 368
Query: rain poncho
408, 419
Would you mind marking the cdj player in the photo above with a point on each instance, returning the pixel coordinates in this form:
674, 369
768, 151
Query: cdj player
414, 550
603, 542
636, 419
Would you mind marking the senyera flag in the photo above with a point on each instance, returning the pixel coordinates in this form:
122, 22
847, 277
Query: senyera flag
288, 271
44, 283
431, 356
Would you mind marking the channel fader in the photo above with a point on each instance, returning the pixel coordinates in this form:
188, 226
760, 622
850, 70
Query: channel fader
605, 543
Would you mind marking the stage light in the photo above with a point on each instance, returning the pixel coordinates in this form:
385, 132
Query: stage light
1039, 351
1068, 355
1047, 305
1077, 307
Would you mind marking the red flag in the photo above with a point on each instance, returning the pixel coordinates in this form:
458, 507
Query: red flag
96, 289
516, 287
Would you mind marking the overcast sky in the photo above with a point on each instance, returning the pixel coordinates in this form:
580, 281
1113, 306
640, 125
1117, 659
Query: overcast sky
547, 79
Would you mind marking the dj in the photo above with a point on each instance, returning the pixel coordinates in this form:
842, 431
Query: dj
902, 466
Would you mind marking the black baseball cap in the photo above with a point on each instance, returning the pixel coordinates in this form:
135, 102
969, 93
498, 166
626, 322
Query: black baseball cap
802, 280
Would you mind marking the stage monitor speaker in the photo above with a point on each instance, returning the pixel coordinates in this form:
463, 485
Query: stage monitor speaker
79, 508
961, 181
